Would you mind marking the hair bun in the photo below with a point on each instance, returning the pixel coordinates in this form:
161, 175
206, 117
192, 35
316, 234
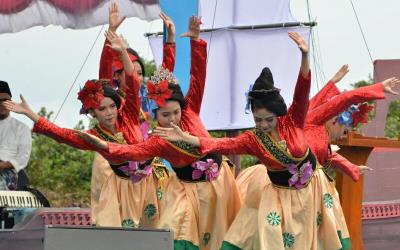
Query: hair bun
265, 81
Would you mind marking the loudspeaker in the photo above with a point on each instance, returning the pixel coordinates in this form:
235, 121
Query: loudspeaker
106, 238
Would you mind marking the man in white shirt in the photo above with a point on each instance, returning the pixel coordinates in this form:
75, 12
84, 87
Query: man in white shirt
15, 143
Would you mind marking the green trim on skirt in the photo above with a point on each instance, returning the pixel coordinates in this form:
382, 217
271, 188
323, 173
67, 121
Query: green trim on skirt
346, 243
184, 245
228, 246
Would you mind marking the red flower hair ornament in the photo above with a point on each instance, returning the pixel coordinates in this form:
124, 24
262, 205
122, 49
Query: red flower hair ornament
361, 114
157, 88
91, 95
159, 92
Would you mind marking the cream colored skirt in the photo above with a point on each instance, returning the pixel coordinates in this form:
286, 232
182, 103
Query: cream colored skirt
120, 202
279, 218
200, 213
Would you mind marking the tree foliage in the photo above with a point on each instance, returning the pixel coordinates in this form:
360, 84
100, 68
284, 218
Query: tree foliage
392, 128
149, 67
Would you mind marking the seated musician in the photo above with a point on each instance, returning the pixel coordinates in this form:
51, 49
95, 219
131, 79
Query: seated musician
15, 143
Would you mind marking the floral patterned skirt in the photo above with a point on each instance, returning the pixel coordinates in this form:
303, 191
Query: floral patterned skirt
279, 218
200, 213
119, 202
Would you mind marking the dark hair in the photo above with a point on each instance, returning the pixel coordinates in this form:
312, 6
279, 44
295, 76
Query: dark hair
177, 94
4, 88
139, 59
112, 93
273, 102
265, 95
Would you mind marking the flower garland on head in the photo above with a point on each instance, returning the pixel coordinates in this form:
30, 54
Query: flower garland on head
157, 89
355, 115
91, 95
159, 93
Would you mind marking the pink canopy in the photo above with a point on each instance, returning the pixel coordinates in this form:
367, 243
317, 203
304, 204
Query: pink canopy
16, 15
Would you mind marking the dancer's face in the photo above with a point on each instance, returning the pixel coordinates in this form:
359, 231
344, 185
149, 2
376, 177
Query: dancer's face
170, 113
4, 113
107, 113
138, 70
120, 75
265, 119
336, 131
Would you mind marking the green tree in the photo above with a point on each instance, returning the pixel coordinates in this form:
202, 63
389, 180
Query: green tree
362, 83
392, 128
61, 172
149, 67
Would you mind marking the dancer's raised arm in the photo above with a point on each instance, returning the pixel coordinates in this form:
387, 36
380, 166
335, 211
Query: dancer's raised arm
329, 90
299, 107
198, 66
169, 47
107, 55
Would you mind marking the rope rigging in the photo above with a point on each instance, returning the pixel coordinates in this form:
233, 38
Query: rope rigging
77, 75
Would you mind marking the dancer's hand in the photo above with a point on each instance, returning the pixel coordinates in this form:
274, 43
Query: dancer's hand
194, 28
173, 133
92, 140
21, 108
340, 74
299, 40
117, 43
389, 84
363, 169
169, 24
114, 18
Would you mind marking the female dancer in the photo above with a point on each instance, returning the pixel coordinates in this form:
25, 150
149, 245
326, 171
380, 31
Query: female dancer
129, 195
293, 208
112, 69
201, 201
324, 125
331, 115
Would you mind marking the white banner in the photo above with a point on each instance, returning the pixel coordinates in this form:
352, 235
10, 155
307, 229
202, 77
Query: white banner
235, 60
225, 13
236, 57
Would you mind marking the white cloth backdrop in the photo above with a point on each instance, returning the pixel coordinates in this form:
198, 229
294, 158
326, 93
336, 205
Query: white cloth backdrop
236, 58
244, 12
69, 14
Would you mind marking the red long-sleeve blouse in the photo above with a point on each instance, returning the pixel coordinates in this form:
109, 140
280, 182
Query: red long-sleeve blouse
328, 107
106, 59
108, 56
128, 120
327, 92
178, 154
290, 129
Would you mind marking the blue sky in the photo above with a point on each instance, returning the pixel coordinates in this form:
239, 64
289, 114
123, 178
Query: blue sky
42, 62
